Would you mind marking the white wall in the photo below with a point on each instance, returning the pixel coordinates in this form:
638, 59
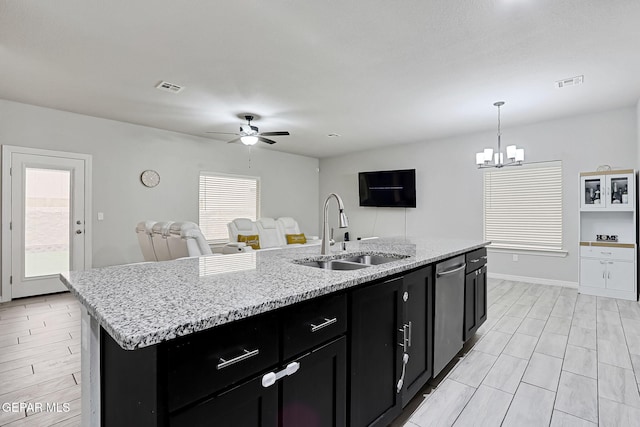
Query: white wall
121, 151
449, 186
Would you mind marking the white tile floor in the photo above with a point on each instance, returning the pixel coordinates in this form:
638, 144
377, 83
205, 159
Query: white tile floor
546, 356
40, 360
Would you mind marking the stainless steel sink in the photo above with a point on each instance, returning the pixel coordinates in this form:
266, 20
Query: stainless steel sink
335, 265
372, 259
352, 262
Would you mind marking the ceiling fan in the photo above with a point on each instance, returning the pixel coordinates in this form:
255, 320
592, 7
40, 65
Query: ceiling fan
249, 135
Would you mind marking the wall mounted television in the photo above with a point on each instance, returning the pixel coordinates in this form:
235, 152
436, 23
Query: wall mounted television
389, 189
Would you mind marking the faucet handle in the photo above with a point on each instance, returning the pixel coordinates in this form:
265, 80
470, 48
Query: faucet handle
331, 241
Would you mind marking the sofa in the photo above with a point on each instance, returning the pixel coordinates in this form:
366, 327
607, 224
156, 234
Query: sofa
266, 233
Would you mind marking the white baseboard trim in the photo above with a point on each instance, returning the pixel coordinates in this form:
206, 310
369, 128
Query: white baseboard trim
536, 280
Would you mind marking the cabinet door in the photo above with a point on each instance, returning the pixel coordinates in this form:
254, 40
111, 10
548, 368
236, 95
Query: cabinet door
376, 356
470, 306
316, 394
620, 192
481, 296
249, 404
620, 275
418, 329
592, 192
592, 272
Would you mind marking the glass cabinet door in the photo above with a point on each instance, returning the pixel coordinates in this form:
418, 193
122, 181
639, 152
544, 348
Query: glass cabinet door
620, 192
593, 192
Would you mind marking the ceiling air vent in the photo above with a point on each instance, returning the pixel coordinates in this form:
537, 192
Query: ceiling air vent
572, 81
169, 87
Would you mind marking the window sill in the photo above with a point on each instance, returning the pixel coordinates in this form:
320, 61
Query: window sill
513, 249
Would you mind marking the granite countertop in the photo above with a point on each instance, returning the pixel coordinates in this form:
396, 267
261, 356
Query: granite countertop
147, 303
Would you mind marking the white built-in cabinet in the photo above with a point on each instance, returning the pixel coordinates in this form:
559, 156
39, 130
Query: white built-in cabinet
608, 234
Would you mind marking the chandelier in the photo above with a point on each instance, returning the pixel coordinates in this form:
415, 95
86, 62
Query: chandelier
489, 159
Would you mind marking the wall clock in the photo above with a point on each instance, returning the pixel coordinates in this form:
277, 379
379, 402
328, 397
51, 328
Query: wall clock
150, 178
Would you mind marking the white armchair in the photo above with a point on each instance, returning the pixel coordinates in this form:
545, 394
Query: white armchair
186, 240
271, 235
168, 240
160, 238
243, 226
144, 230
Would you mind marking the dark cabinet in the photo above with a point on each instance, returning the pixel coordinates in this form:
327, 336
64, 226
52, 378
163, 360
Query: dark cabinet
249, 404
376, 353
475, 292
308, 389
316, 394
418, 331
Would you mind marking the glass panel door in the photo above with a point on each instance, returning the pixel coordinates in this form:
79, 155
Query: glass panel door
47, 219
620, 192
593, 192
47, 222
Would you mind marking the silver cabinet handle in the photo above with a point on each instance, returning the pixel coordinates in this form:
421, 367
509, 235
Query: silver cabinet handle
246, 355
270, 379
409, 333
484, 257
324, 324
447, 272
608, 275
405, 359
605, 253
474, 260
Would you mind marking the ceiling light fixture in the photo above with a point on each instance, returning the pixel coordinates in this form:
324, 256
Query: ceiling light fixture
249, 140
489, 159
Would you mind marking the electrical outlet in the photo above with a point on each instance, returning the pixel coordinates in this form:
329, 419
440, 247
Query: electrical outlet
515, 258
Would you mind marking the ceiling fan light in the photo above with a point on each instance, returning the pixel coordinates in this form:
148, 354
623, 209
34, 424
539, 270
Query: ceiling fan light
520, 155
511, 152
479, 158
249, 140
488, 154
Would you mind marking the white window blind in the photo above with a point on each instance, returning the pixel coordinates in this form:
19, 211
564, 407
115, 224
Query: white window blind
224, 198
523, 206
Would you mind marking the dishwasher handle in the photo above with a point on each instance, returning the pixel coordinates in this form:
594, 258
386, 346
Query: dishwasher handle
447, 272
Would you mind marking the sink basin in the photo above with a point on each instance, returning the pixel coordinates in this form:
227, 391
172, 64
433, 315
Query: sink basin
372, 259
335, 265
352, 262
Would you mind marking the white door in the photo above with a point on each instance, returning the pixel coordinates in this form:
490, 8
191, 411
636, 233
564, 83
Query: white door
47, 221
593, 273
620, 275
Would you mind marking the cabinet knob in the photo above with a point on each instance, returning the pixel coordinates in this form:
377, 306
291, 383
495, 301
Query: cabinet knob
405, 296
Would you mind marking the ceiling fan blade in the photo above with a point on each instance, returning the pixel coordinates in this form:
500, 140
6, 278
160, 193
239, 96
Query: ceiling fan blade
274, 133
225, 133
268, 141
233, 140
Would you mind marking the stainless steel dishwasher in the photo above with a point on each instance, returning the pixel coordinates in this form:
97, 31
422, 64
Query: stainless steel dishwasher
449, 312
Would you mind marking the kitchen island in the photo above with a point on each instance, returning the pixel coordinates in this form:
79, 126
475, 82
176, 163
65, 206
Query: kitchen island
154, 334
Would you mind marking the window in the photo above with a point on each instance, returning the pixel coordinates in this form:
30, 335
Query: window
523, 206
224, 198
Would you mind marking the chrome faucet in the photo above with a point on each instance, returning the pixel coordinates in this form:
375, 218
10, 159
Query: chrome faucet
344, 222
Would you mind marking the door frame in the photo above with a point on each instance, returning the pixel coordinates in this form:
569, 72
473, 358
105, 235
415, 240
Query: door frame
5, 252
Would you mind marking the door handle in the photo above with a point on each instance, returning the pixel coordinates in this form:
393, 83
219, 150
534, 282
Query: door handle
324, 324
270, 379
246, 355
447, 272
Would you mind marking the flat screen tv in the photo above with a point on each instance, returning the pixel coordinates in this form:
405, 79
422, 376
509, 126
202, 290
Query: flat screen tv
389, 189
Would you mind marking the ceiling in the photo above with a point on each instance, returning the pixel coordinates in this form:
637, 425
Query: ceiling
376, 72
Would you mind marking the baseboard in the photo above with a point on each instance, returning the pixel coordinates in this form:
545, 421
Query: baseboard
536, 280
